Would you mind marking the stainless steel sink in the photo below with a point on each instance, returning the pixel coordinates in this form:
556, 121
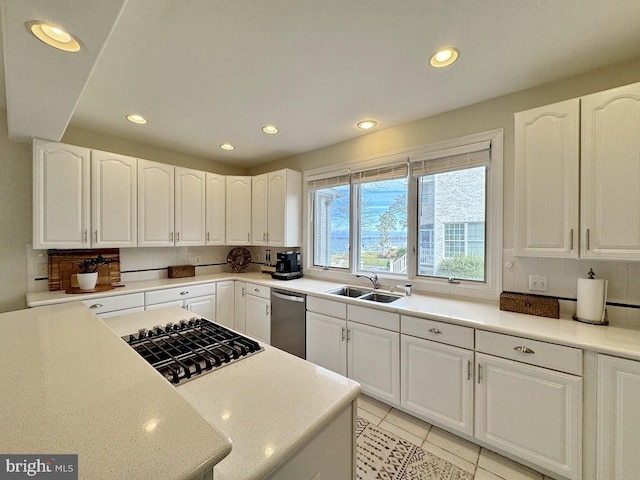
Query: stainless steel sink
349, 291
380, 297
364, 294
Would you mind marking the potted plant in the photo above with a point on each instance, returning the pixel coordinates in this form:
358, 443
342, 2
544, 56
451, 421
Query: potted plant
88, 274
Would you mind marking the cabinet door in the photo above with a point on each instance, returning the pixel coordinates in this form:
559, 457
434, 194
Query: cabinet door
277, 199
225, 310
240, 307
215, 209
190, 207
61, 196
373, 360
547, 177
155, 204
437, 382
618, 422
531, 412
258, 318
259, 209
610, 174
238, 210
203, 306
114, 204
326, 342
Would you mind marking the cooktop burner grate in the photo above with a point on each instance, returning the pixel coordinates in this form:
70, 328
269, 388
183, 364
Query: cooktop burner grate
181, 351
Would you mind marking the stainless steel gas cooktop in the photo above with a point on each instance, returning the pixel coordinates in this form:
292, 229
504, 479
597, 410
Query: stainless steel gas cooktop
181, 351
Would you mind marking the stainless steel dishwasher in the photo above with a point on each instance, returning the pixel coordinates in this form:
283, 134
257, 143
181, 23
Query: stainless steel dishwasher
288, 325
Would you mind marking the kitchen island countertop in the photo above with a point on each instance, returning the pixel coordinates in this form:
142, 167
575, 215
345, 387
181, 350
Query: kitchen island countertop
73, 387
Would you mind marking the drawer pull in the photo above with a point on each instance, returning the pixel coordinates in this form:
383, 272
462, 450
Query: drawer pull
96, 305
185, 292
522, 349
257, 290
436, 331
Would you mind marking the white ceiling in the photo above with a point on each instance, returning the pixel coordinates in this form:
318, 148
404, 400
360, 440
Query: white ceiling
207, 72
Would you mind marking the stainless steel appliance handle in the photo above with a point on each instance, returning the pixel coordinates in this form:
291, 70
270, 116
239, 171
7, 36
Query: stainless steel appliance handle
291, 298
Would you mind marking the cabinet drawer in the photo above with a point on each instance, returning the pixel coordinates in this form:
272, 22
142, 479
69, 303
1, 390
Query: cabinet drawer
375, 318
437, 331
542, 354
117, 302
258, 290
327, 307
179, 293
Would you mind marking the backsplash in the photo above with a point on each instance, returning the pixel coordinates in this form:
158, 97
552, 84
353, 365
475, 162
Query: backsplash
562, 281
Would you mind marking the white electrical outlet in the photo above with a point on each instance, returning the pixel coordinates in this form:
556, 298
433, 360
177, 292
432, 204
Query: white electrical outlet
42, 269
538, 283
198, 260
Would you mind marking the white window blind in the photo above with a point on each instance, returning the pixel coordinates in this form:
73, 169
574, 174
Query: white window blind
386, 172
458, 158
328, 180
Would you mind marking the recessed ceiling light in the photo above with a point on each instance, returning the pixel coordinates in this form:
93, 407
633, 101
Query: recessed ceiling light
135, 118
53, 36
270, 129
444, 57
227, 146
367, 124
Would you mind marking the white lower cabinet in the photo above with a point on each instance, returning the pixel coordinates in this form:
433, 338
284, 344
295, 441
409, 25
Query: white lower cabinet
437, 382
225, 299
373, 360
257, 304
531, 412
327, 342
239, 314
618, 422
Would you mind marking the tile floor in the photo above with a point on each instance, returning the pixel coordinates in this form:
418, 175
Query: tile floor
483, 463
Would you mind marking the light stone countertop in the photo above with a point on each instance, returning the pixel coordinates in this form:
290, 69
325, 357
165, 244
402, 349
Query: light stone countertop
461, 311
72, 386
270, 404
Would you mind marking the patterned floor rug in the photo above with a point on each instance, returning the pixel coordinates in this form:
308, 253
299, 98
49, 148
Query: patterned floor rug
381, 455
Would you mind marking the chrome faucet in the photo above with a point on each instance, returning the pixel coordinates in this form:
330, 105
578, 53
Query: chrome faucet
373, 277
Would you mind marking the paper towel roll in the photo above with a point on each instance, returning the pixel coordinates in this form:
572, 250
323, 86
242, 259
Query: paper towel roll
592, 298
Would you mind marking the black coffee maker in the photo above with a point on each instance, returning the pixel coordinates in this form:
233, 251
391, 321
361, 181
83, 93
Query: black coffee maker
287, 266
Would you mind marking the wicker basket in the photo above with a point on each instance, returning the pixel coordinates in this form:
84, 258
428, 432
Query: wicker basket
530, 304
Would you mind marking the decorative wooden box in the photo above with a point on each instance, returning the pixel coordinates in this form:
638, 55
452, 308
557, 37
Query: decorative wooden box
180, 271
530, 304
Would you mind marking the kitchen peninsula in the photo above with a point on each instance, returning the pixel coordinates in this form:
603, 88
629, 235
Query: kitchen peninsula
82, 390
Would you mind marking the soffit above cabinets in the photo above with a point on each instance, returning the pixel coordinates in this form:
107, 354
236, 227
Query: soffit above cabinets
206, 73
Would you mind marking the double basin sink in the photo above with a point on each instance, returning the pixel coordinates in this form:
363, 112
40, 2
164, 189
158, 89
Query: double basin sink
364, 294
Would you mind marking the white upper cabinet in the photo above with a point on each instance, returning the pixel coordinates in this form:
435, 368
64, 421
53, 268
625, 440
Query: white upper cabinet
238, 210
259, 209
215, 209
547, 181
155, 204
114, 207
276, 209
610, 173
190, 205
61, 196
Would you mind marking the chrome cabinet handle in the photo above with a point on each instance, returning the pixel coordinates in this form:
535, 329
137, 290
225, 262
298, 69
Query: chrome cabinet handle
267, 309
184, 292
264, 236
171, 236
96, 235
348, 335
96, 305
208, 236
588, 242
257, 290
248, 236
468, 370
522, 349
571, 238
243, 291
343, 333
478, 374
85, 236
436, 331
177, 236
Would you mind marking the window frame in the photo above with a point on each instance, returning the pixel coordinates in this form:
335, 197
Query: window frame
489, 289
